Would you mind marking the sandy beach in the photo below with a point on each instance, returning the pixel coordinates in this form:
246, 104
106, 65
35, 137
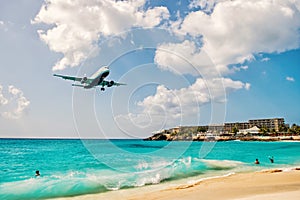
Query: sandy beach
270, 184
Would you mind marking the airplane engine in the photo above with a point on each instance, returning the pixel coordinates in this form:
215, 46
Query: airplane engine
111, 83
83, 80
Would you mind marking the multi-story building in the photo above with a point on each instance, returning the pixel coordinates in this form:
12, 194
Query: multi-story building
215, 128
239, 125
274, 123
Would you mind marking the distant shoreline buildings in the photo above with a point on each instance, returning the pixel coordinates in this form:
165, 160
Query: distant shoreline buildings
252, 126
272, 124
272, 129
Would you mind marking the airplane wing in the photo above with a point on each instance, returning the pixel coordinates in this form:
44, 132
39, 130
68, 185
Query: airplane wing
73, 78
110, 83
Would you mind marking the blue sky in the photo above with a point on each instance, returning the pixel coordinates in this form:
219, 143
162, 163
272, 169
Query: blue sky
185, 63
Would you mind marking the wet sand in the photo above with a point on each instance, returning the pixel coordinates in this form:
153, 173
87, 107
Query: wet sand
270, 184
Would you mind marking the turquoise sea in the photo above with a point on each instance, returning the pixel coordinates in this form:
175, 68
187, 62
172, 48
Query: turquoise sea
75, 167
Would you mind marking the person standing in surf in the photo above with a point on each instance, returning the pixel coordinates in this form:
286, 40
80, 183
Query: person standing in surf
37, 173
271, 158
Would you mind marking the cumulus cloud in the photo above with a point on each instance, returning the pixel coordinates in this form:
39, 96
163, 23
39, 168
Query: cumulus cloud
291, 79
168, 107
237, 30
175, 103
3, 100
79, 25
185, 58
204, 5
216, 34
265, 59
16, 98
231, 32
3, 25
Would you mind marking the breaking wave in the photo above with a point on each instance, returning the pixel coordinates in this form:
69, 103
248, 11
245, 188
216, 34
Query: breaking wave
221, 164
77, 183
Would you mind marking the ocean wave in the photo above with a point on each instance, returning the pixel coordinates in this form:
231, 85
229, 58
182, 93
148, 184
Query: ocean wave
48, 187
78, 183
153, 164
68, 169
143, 173
75, 183
221, 164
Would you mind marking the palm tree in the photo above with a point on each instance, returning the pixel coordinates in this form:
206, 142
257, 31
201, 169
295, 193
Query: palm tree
235, 130
295, 129
283, 128
264, 130
201, 129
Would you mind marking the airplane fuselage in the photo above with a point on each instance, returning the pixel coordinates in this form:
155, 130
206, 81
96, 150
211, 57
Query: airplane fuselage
98, 77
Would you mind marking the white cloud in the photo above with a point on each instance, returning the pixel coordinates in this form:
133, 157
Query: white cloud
4, 26
80, 24
3, 100
204, 5
185, 58
178, 102
265, 59
237, 69
16, 99
237, 30
291, 79
230, 32
169, 107
247, 86
234, 32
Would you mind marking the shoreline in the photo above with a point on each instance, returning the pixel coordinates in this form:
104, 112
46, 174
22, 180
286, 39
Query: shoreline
220, 138
271, 183
202, 139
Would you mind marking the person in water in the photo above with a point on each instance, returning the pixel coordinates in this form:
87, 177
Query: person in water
256, 161
37, 173
271, 159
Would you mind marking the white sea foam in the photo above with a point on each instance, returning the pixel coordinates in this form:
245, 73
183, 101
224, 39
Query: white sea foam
283, 169
142, 165
193, 182
154, 164
149, 179
221, 164
186, 161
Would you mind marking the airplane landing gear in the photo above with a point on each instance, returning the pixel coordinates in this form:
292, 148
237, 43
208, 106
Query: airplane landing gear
102, 89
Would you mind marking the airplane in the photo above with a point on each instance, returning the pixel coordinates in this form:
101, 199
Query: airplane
97, 79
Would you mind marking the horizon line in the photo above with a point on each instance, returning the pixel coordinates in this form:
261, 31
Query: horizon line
68, 138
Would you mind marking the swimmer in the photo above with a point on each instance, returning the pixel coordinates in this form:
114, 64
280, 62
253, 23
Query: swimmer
37, 173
